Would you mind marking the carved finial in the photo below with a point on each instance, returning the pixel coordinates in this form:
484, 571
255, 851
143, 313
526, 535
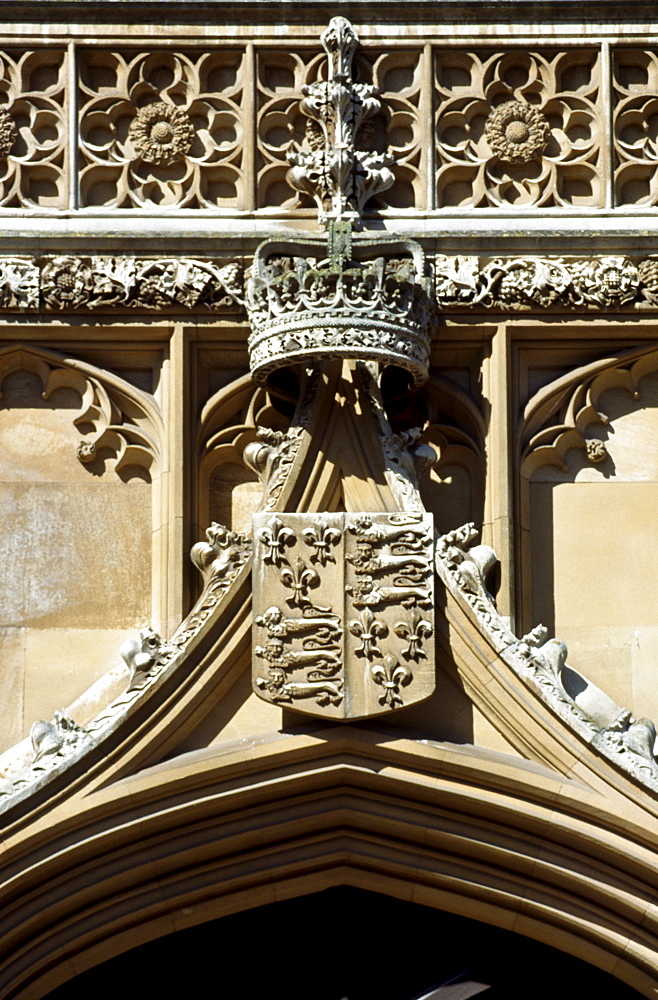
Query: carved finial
336, 165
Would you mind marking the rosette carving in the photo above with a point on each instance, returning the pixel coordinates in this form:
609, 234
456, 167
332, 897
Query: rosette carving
517, 132
161, 133
520, 128
161, 128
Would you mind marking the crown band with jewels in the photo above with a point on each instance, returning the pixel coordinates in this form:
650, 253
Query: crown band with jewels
372, 308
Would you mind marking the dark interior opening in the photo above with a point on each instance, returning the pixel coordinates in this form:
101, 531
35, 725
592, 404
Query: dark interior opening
345, 943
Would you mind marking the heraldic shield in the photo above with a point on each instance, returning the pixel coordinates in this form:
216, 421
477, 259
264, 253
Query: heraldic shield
343, 611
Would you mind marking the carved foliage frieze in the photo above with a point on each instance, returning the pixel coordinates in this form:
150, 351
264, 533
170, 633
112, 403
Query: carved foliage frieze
521, 283
518, 128
161, 128
65, 283
343, 611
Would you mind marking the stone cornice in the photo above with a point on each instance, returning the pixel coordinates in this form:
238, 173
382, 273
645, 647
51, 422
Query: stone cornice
463, 11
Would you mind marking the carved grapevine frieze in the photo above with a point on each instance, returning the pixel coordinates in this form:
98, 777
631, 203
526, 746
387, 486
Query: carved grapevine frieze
66, 283
518, 128
519, 283
161, 128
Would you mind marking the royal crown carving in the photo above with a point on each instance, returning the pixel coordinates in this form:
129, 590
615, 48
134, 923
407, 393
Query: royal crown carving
371, 303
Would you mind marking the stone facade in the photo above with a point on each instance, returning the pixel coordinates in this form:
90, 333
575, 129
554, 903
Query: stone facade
364, 317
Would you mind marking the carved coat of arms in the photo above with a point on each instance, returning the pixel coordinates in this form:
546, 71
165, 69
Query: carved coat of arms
343, 611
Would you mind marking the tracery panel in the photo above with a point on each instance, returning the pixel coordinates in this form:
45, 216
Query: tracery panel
519, 128
161, 128
636, 126
33, 129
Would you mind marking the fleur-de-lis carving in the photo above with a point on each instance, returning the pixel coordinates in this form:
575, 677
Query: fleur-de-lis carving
299, 578
368, 629
321, 537
392, 675
414, 631
275, 535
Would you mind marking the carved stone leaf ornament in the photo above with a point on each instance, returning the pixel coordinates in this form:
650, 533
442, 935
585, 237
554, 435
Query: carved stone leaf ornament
344, 638
334, 168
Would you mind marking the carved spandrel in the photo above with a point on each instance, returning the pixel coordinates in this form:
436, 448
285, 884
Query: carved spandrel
343, 618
